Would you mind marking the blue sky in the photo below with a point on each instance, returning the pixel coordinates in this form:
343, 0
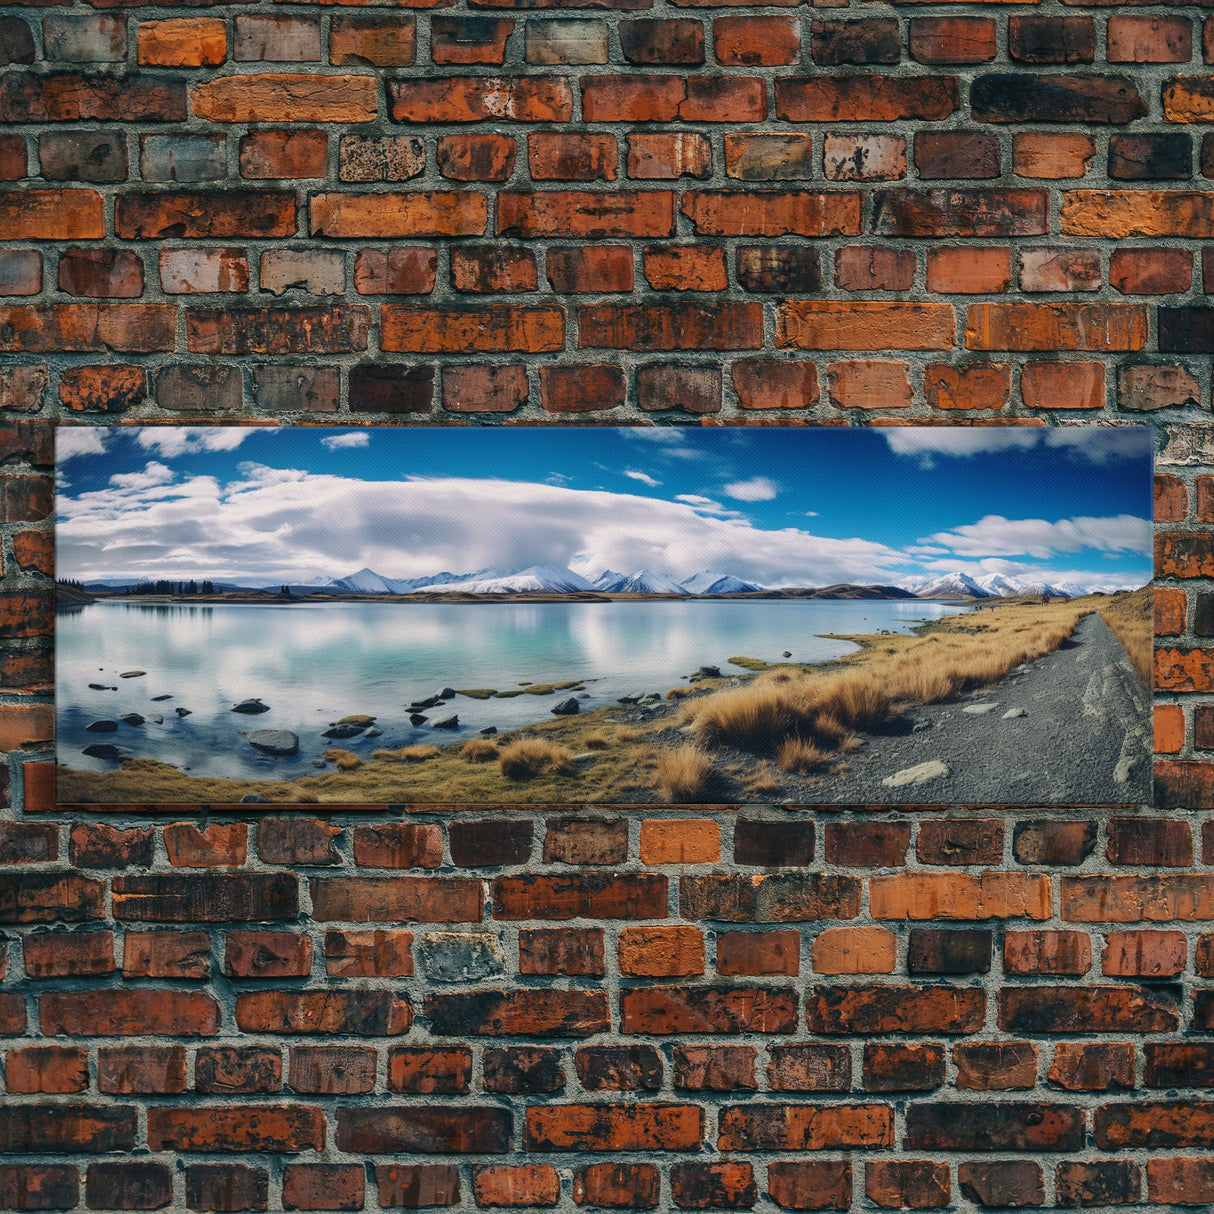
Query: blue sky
777, 505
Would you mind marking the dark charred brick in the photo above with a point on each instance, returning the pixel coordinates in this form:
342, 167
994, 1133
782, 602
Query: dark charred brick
518, 1013
16, 42
417, 1185
1053, 843
190, 898
1118, 1009
391, 388
725, 1185
778, 844
1186, 330
226, 1187
875, 40
1013, 1183
1178, 1064
894, 1009
779, 269
332, 1070
867, 844
66, 1129
1052, 39
619, 1068
94, 156
304, 841
580, 895
1098, 1183
809, 1068
389, 1130
446, 1072
714, 1068
1150, 157
903, 1068
1004, 97
517, 1070
561, 950
677, 41
961, 841
130, 1185
490, 843
1160, 1123
25, 1186
958, 951
708, 1009
1149, 841
47, 897
775, 898
1001, 1126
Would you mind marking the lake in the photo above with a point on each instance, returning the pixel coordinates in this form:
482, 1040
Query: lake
314, 663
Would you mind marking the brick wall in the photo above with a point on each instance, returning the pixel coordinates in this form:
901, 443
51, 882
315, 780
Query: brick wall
626, 212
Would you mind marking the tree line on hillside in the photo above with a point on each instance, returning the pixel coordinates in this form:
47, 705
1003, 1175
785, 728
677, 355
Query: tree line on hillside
163, 586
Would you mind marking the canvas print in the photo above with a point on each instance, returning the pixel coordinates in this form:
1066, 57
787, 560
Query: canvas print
687, 615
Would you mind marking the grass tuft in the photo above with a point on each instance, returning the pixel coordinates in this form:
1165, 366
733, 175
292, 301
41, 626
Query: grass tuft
479, 750
407, 754
684, 775
529, 757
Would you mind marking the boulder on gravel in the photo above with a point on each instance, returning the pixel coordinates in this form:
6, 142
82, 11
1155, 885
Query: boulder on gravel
919, 774
566, 707
273, 741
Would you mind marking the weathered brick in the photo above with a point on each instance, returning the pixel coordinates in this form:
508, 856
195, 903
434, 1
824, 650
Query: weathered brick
392, 1130
570, 41
147, 215
939, 40
617, 1185
1003, 1126
692, 389
182, 42
960, 212
802, 1127
1093, 1066
1101, 1182
864, 97
319, 1186
375, 41
476, 157
890, 1067
226, 1187
128, 1012
894, 1009
666, 156
498, 327
1056, 1009
391, 388
76, 97
417, 1185
283, 154
523, 1185
479, 98
284, 97
899, 1184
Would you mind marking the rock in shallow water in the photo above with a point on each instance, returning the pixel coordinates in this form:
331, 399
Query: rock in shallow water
566, 707
451, 722
101, 727
103, 750
250, 706
273, 741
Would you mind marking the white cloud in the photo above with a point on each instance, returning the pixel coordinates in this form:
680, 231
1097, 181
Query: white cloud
154, 473
926, 441
1100, 444
337, 442
278, 523
995, 535
643, 477
811, 514
170, 441
71, 441
757, 489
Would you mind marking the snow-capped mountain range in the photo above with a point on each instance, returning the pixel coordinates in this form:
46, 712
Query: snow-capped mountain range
548, 579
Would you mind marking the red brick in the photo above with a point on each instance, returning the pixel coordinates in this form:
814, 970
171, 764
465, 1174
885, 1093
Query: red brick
667, 98
399, 845
1169, 728
1149, 39
498, 1185
560, 156
1179, 1181
99, 845
666, 156
581, 388
122, 1013
656, 42
285, 97
47, 897
374, 1013
1137, 954
1147, 388
580, 895
869, 384
1149, 842
566, 213
60, 954
903, 1068
1093, 1066
150, 1069
332, 1070
303, 841
619, 1186
619, 1068
775, 385
484, 389
476, 157
1059, 270
810, 1185
894, 1009
804, 1127
167, 954
973, 386
379, 41
968, 270
105, 327
228, 1069
941, 155
417, 1185
592, 270
685, 268
409, 1129
855, 950
318, 1186
707, 1009
1063, 385
724, 1185
995, 1066
1120, 213
430, 1071
469, 40
493, 268
46, 1068
902, 1184
284, 154
772, 213
952, 39
867, 844
480, 98
262, 954
752, 954
613, 1127
1051, 156
76, 97
561, 951
874, 268
809, 1068
677, 326
221, 844
714, 1068
142, 215
108, 388
661, 952
400, 270
364, 954
499, 327
692, 389
22, 386
436, 213
1151, 271
246, 1127
182, 42
865, 97
756, 41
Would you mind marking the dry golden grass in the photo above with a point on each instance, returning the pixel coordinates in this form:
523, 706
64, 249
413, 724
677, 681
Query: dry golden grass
801, 757
479, 750
626, 733
344, 760
684, 775
408, 754
1130, 616
677, 693
594, 741
529, 757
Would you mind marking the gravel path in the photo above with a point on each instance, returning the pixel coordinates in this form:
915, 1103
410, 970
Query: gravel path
1081, 736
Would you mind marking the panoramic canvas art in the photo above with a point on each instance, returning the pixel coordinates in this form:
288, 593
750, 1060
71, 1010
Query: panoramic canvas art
684, 615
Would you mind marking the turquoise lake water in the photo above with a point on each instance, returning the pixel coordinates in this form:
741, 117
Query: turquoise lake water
314, 663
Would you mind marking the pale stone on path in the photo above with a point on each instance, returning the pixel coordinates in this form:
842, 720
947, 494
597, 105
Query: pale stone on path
920, 774
978, 710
